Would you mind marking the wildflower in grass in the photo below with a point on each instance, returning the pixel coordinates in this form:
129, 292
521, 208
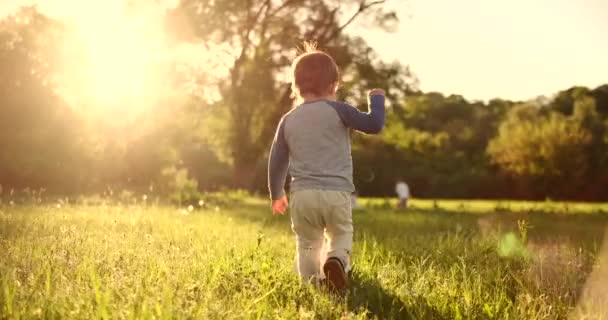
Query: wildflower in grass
511, 246
190, 208
201, 203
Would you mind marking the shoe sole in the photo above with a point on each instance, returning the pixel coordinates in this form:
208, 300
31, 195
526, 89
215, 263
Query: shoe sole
335, 275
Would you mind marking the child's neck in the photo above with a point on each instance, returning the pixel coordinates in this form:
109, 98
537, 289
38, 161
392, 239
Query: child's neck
313, 97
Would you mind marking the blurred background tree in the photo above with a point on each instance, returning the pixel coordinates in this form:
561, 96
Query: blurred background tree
262, 37
39, 144
211, 124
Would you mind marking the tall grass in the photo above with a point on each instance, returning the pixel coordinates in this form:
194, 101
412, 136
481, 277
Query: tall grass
126, 261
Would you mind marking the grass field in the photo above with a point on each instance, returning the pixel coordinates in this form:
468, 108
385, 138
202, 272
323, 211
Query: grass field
437, 260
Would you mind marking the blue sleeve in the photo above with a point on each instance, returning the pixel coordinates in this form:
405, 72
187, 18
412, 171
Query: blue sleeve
278, 163
367, 122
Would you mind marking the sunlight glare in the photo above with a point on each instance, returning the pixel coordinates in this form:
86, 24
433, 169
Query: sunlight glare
118, 60
121, 62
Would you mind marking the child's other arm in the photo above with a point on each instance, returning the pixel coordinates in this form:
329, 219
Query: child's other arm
367, 122
278, 163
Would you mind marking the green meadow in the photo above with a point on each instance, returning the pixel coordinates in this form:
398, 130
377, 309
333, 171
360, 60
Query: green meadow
439, 259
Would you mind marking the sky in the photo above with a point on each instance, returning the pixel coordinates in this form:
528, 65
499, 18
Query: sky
481, 49
514, 49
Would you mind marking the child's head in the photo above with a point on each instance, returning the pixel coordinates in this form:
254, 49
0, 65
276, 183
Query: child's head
314, 73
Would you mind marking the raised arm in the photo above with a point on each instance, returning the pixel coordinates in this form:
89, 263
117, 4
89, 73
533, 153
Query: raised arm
368, 122
278, 163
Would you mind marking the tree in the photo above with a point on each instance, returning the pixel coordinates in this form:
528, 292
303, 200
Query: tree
262, 36
563, 102
39, 146
549, 153
600, 94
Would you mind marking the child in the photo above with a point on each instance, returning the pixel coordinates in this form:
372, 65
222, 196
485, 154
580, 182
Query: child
313, 142
403, 193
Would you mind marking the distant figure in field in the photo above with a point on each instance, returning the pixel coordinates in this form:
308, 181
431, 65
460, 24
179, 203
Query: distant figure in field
312, 142
403, 193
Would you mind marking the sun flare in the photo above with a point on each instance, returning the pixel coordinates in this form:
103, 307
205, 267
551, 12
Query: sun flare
117, 59
114, 58
118, 64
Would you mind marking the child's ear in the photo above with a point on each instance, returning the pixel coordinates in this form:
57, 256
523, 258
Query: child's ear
333, 88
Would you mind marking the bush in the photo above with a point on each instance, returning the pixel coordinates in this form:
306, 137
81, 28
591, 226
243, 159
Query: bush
178, 186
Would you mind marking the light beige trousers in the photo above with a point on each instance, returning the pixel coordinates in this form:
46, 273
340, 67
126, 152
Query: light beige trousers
323, 224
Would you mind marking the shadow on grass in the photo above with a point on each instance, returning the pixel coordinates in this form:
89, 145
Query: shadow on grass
367, 295
559, 239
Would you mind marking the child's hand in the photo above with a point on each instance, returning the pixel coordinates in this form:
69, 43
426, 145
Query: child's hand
280, 206
376, 92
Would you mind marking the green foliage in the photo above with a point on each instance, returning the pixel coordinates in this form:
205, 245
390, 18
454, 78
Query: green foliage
39, 146
449, 147
443, 146
264, 36
436, 143
70, 148
178, 186
545, 147
551, 154
564, 101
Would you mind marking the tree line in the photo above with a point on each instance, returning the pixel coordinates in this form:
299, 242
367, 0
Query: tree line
446, 146
186, 142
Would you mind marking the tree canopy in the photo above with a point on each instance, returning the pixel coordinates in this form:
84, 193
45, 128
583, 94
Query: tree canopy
211, 129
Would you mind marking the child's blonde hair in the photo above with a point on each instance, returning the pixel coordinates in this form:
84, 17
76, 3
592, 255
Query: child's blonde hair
313, 72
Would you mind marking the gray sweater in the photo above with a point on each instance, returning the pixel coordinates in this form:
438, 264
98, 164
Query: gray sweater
312, 141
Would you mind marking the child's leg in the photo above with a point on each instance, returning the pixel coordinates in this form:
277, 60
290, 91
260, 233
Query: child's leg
402, 203
306, 223
339, 225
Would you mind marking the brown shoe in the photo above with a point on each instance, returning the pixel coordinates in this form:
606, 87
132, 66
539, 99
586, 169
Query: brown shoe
336, 277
